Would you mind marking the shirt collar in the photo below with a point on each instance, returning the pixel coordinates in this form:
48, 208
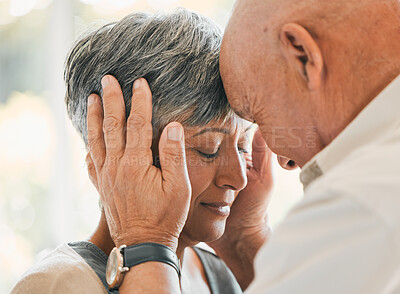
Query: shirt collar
371, 122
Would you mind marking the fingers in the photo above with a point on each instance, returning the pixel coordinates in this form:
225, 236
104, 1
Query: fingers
91, 170
261, 154
173, 158
95, 136
139, 133
249, 161
114, 117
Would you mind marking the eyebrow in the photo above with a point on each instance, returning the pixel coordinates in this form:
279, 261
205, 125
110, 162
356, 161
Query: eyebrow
219, 130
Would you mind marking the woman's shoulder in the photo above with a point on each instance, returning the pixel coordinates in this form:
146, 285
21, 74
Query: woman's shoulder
220, 278
60, 271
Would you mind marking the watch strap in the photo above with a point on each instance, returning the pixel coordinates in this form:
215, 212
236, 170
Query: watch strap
144, 252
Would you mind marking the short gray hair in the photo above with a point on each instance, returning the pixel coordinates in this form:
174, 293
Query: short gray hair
178, 54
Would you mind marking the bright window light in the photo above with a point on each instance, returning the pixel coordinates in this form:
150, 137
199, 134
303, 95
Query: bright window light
21, 7
161, 4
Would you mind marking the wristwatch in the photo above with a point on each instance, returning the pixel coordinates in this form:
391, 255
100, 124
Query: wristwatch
123, 258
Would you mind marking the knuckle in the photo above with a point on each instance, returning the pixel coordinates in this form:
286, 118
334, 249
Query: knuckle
90, 167
173, 160
88, 159
111, 124
93, 135
137, 121
111, 165
173, 151
93, 146
92, 177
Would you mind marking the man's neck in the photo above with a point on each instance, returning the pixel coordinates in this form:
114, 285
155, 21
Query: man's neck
368, 90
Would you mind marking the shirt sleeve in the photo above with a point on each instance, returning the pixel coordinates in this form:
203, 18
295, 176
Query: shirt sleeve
330, 244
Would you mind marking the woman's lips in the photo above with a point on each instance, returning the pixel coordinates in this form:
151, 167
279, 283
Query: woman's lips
220, 208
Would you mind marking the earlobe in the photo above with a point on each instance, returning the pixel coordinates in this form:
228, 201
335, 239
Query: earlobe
303, 53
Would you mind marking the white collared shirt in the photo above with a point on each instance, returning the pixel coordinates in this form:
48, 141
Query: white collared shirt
344, 237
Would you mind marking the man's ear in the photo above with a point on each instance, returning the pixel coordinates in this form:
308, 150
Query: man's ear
303, 53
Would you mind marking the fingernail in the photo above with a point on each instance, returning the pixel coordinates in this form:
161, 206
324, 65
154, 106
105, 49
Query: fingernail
136, 84
91, 100
105, 81
175, 133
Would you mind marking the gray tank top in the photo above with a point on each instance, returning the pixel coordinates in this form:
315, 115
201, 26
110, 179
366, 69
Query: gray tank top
220, 278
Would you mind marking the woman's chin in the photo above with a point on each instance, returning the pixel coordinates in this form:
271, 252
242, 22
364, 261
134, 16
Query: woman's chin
204, 231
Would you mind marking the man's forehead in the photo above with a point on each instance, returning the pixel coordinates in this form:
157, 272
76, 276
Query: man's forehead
245, 6
240, 105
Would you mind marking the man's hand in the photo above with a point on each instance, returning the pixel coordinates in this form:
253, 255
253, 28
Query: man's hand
246, 227
141, 202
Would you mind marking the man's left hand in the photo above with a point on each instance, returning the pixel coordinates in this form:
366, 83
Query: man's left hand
247, 226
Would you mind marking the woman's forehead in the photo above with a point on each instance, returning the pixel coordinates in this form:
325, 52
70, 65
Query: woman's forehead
231, 126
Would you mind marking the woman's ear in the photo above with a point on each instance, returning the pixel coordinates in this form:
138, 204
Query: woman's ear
303, 53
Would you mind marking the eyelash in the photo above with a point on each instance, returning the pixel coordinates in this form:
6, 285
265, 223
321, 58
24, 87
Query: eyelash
243, 150
215, 155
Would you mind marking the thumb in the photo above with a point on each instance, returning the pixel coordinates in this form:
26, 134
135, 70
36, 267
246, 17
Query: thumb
173, 159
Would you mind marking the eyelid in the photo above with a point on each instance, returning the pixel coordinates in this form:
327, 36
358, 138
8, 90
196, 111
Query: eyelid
208, 155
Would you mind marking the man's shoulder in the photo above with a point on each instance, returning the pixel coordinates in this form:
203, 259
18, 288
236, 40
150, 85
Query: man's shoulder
366, 181
60, 271
369, 172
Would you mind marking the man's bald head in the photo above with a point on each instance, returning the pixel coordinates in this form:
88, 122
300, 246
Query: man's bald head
295, 66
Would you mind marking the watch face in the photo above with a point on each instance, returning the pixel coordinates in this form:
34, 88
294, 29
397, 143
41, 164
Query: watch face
112, 267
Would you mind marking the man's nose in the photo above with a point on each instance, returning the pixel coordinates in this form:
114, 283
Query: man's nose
287, 163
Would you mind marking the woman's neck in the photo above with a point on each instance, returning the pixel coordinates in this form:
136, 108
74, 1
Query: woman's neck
184, 242
101, 236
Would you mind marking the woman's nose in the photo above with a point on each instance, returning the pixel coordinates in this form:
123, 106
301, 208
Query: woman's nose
232, 172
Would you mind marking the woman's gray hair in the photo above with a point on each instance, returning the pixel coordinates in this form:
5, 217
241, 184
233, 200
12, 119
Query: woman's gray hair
177, 53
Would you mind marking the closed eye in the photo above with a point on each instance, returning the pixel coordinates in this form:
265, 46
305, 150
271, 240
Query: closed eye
208, 155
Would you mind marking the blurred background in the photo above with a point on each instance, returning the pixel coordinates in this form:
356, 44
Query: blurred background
46, 197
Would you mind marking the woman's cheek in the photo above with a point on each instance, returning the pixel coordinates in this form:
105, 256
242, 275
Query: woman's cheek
201, 174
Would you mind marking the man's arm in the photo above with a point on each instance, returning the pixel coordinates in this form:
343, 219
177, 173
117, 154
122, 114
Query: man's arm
239, 253
141, 202
152, 278
329, 243
247, 226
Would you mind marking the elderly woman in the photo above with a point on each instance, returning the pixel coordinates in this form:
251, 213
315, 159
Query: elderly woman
178, 55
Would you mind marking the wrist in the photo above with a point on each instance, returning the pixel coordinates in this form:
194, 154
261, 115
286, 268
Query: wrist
141, 237
124, 258
244, 241
239, 250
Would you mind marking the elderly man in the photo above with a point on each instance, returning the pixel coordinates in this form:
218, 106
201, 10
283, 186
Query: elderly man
320, 78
